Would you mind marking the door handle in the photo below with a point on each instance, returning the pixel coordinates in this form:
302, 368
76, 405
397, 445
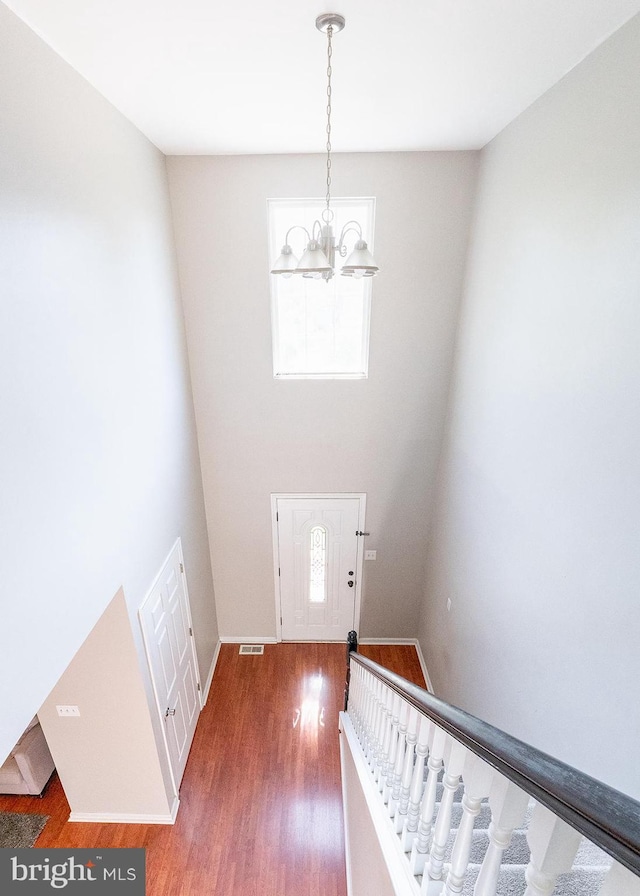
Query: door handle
350, 583
169, 712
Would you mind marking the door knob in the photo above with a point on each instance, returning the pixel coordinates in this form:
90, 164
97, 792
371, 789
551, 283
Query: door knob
350, 583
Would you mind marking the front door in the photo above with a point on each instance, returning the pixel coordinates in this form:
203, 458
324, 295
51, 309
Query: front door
318, 565
165, 618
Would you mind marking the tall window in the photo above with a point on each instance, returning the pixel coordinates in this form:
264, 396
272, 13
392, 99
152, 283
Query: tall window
320, 329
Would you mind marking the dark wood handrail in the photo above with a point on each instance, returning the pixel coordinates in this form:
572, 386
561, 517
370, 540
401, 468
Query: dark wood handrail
605, 816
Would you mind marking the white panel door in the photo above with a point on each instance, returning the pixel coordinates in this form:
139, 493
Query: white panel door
318, 566
168, 635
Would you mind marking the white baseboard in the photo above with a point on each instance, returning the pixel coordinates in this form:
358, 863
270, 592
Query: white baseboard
246, 639
252, 639
387, 641
423, 666
117, 818
212, 669
414, 642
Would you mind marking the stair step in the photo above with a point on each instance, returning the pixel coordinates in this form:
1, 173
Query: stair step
580, 882
586, 878
517, 853
511, 881
590, 854
483, 818
457, 796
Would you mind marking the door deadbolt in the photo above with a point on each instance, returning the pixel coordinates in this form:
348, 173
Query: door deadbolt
350, 583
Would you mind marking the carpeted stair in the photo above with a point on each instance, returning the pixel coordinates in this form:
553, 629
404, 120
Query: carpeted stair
590, 866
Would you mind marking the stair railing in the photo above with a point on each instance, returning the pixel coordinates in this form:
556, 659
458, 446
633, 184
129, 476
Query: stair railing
421, 752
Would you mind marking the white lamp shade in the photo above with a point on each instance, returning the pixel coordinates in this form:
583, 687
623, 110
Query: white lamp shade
314, 261
360, 262
286, 262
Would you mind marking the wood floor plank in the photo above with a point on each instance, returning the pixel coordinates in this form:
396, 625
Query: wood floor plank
399, 658
260, 802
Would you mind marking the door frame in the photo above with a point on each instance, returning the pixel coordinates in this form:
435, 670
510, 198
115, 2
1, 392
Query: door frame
192, 639
305, 496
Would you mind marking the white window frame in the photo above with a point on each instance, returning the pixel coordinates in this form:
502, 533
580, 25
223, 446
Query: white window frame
313, 207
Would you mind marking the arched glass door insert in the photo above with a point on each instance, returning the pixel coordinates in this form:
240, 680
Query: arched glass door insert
318, 565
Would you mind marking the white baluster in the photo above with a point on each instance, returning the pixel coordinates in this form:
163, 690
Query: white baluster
357, 706
396, 777
375, 746
455, 755
422, 843
620, 882
378, 724
477, 777
410, 830
373, 713
365, 698
382, 763
354, 704
407, 770
508, 807
553, 846
394, 746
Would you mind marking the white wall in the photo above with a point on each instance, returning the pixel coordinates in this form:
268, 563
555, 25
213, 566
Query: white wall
381, 435
105, 756
538, 513
99, 459
370, 865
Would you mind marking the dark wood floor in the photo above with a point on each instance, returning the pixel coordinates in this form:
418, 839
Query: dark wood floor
260, 801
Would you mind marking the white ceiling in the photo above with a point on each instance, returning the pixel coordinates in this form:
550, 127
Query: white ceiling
201, 76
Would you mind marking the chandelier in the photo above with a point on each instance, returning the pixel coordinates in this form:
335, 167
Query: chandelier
319, 258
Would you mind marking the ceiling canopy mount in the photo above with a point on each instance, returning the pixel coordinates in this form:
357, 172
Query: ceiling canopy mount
332, 19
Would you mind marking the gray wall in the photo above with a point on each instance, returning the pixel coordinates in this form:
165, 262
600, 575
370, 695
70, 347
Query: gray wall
537, 529
380, 435
99, 459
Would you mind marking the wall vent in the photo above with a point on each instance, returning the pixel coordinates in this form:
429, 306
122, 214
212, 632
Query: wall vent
251, 649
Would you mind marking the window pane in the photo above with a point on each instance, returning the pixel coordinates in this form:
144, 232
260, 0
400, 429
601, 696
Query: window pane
318, 565
320, 328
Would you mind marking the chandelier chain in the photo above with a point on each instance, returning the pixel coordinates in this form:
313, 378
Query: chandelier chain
329, 54
318, 260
